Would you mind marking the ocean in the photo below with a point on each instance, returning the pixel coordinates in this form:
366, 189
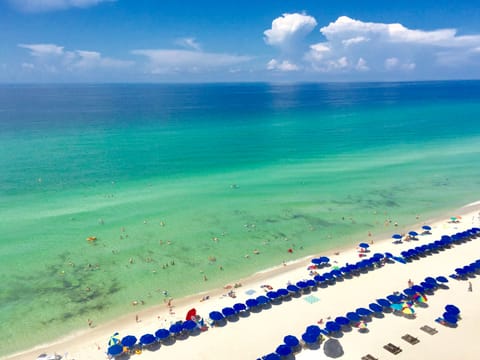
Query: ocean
181, 184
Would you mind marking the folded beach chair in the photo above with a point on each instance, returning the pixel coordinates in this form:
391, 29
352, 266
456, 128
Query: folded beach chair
429, 330
410, 339
369, 357
392, 348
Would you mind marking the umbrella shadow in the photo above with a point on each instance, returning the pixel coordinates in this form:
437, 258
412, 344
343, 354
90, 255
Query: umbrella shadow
153, 347
332, 348
124, 356
233, 318
169, 341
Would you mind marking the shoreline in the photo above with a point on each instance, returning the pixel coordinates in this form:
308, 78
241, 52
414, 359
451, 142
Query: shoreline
148, 316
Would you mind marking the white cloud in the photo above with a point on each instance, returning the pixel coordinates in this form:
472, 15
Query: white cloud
380, 47
51, 58
189, 43
53, 5
288, 29
362, 65
284, 65
165, 61
41, 50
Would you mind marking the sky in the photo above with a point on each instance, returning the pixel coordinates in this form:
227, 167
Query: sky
103, 41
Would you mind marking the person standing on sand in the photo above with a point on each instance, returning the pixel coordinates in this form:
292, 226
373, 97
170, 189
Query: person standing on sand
470, 286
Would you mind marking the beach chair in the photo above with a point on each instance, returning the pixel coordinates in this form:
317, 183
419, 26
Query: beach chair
392, 348
429, 330
369, 357
410, 339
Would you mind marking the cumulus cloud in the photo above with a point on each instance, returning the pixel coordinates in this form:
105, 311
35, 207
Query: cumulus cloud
282, 65
356, 46
166, 61
53, 5
52, 57
288, 29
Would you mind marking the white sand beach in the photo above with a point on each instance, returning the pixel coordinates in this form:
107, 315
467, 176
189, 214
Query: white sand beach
259, 333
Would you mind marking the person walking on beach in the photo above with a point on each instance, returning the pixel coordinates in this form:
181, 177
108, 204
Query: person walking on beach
470, 286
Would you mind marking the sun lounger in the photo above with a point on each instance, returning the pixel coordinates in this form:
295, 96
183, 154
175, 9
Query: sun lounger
410, 339
369, 357
429, 330
392, 348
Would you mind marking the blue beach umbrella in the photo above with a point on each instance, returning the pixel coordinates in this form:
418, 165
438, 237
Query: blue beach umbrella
452, 309
147, 339
311, 283
251, 303
317, 261
418, 288
384, 302
283, 350
375, 307
291, 341
176, 328
409, 292
129, 341
302, 284
426, 227
363, 245
332, 326
430, 280
342, 320
313, 329
353, 317
189, 325
324, 259
394, 298
262, 300
216, 315
228, 311
282, 292
319, 278
309, 338
115, 350
162, 334
363, 312
441, 279
292, 288
396, 236
450, 317
240, 307
388, 255
412, 233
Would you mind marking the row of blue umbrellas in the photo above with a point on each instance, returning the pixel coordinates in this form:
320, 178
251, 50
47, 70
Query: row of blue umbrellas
444, 242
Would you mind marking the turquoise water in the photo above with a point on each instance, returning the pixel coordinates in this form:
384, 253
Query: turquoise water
176, 181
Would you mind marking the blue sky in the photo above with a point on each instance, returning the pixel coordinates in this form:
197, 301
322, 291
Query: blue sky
265, 40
